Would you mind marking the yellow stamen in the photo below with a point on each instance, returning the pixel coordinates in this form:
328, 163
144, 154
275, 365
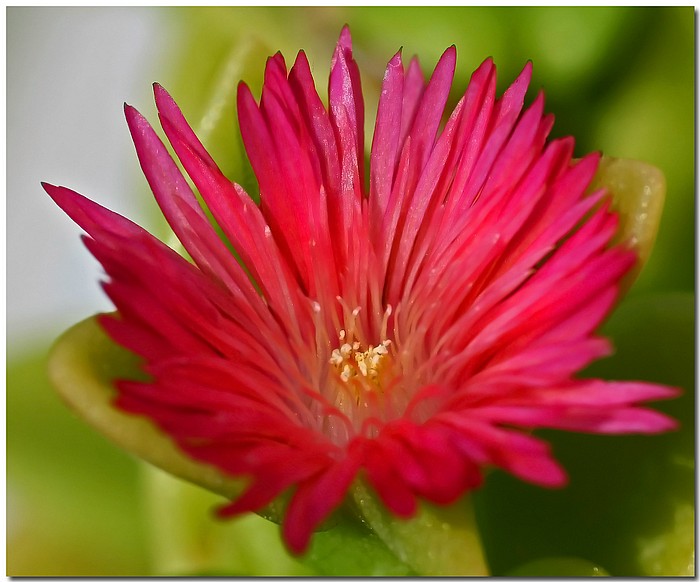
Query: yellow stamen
351, 361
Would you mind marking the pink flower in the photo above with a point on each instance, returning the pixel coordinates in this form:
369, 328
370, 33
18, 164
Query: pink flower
412, 327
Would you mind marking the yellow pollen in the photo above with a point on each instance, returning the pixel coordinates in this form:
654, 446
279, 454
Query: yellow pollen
352, 362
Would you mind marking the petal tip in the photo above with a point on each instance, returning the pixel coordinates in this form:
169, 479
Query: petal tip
159, 91
57, 193
132, 115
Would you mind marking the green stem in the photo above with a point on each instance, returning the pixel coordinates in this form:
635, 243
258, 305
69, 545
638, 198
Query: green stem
438, 541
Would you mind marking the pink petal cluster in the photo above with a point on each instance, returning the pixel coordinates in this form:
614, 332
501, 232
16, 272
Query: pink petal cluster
412, 328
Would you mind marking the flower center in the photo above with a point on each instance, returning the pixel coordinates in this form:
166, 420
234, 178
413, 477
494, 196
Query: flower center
352, 361
362, 377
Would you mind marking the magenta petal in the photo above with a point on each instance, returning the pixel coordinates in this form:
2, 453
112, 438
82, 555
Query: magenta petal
392, 490
314, 500
168, 109
385, 144
91, 217
414, 85
162, 174
429, 112
280, 214
319, 126
346, 105
512, 101
633, 421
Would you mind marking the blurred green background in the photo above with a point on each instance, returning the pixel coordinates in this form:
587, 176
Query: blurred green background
620, 79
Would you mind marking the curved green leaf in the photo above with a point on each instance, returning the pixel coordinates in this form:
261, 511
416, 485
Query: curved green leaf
638, 191
83, 365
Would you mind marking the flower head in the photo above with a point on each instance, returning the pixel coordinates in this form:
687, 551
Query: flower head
412, 327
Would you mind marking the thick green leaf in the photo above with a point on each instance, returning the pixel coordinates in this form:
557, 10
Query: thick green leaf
638, 191
83, 365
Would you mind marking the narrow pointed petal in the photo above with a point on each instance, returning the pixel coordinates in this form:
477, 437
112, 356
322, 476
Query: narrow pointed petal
430, 108
346, 106
314, 500
414, 86
385, 144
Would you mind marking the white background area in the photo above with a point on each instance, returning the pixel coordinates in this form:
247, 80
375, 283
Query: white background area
69, 70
